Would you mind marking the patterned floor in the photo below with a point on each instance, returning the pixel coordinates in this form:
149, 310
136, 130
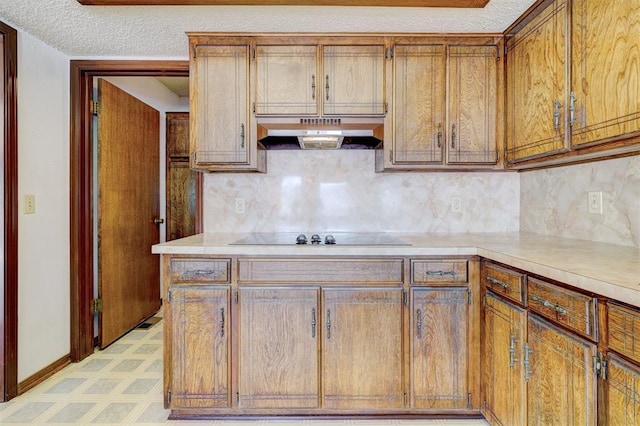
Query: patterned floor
122, 385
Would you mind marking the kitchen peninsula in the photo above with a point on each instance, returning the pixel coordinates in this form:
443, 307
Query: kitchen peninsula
325, 330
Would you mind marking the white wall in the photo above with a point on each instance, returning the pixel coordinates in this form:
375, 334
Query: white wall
43, 239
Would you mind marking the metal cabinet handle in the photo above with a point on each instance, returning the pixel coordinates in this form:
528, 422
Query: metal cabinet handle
512, 350
440, 273
326, 87
419, 323
527, 362
242, 135
572, 108
439, 135
158, 220
313, 87
453, 136
328, 323
221, 322
547, 304
556, 115
313, 322
497, 282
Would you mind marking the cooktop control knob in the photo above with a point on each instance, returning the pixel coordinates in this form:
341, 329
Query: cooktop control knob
302, 239
315, 239
329, 239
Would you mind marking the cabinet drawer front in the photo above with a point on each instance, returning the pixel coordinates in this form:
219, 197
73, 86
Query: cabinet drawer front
569, 308
200, 270
508, 283
438, 271
320, 271
624, 325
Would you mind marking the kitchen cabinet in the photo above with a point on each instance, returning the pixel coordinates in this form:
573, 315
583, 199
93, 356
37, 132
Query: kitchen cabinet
535, 124
503, 338
440, 347
362, 357
278, 355
223, 136
444, 106
605, 87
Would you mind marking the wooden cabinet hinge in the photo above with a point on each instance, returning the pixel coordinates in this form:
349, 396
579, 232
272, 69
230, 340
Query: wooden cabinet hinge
386, 107
169, 296
253, 53
237, 397
469, 297
254, 107
468, 399
169, 396
237, 296
388, 54
405, 297
404, 400
96, 305
94, 106
600, 366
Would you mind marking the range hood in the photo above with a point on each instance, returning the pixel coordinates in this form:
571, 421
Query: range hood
320, 133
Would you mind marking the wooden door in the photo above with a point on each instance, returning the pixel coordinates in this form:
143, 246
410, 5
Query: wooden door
418, 104
353, 82
439, 348
503, 380
183, 185
222, 129
128, 204
535, 86
278, 348
561, 386
473, 104
362, 348
201, 330
605, 43
287, 80
622, 390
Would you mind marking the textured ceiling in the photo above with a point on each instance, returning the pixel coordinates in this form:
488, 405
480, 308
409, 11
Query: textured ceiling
159, 31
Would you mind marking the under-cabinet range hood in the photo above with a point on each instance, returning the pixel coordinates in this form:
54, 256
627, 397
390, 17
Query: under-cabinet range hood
320, 133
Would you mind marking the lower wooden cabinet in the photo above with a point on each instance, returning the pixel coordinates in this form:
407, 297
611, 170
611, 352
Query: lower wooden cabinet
440, 347
622, 390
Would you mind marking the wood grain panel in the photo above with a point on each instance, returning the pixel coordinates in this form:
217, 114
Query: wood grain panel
623, 324
362, 349
278, 355
535, 81
200, 270
623, 392
503, 380
177, 134
182, 187
605, 69
419, 104
439, 271
562, 381
439, 338
505, 282
200, 335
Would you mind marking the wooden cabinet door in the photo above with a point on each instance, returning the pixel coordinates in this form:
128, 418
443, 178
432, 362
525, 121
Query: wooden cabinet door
362, 348
353, 82
287, 80
439, 347
223, 136
622, 387
278, 348
605, 75
181, 199
418, 104
200, 333
561, 377
177, 134
535, 86
473, 104
503, 381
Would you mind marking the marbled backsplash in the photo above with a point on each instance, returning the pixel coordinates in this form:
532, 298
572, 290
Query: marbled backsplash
319, 191
554, 201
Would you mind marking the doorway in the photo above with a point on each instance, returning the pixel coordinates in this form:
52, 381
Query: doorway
82, 191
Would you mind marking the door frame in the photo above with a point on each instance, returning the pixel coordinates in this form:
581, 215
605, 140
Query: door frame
9, 307
81, 185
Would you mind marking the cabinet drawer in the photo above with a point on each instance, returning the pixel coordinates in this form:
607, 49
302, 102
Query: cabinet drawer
200, 270
438, 271
624, 327
569, 308
295, 271
503, 281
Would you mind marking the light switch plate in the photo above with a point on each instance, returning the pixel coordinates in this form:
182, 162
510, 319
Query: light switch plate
595, 202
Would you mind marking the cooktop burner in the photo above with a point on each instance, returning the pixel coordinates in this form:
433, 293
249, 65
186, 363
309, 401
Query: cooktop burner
337, 238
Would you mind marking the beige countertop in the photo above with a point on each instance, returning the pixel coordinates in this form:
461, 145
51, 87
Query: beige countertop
609, 270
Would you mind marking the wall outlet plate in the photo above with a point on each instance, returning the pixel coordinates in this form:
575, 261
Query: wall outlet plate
456, 204
595, 202
29, 204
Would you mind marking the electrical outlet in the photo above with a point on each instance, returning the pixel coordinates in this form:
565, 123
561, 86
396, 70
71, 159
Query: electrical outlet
29, 204
240, 206
456, 204
595, 202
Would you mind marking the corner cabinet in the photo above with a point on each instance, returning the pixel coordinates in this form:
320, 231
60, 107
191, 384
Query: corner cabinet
444, 108
223, 129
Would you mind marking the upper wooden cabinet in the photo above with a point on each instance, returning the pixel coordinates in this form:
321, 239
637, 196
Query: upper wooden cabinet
445, 105
223, 131
572, 82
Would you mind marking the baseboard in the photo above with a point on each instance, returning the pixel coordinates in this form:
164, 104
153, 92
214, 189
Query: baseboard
43, 374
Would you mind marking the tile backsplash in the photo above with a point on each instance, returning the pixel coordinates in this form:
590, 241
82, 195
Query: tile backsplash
554, 201
307, 191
